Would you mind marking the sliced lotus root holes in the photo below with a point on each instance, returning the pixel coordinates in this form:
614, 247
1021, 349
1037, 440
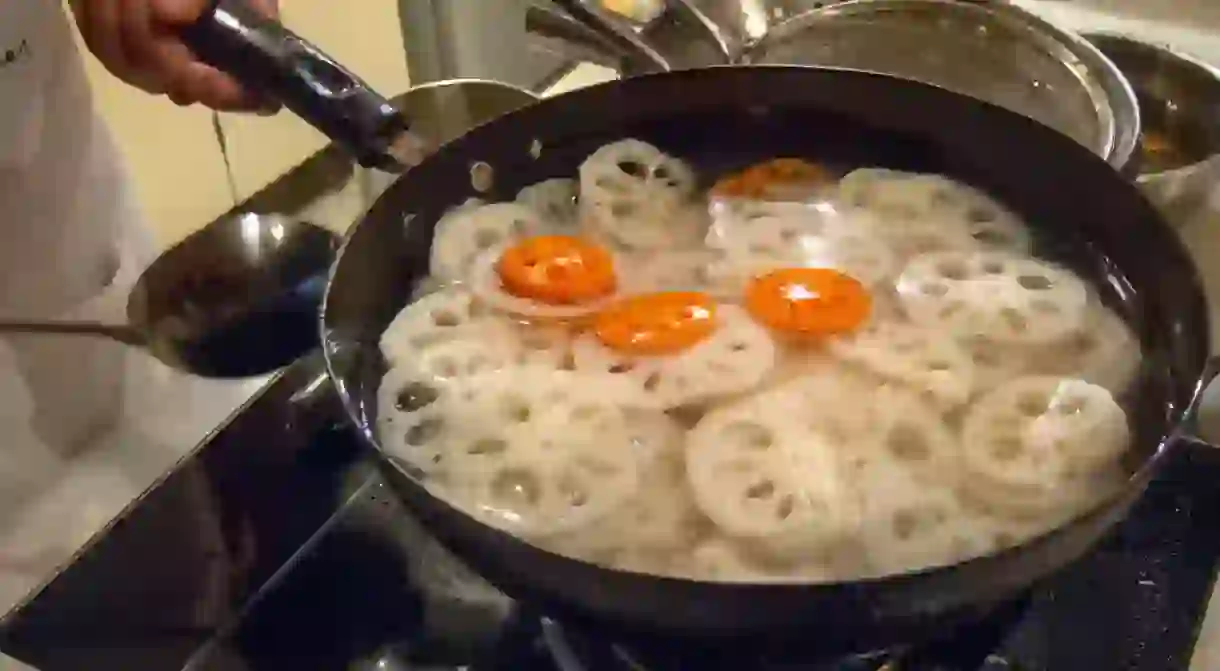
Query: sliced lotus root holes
1015, 320
554, 199
993, 295
1033, 404
914, 521
423, 433
934, 289
518, 409
466, 233
749, 436
1006, 448
615, 166
415, 396
434, 318
446, 318
623, 208
954, 269
411, 423
633, 168
918, 359
574, 490
534, 450
1104, 352
764, 493
461, 358
907, 442
757, 473
594, 419
1029, 442
733, 358
925, 213
907, 524
634, 195
987, 353
487, 447
516, 488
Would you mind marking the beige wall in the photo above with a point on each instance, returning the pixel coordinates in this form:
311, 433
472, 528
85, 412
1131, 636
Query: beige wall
172, 151
1198, 14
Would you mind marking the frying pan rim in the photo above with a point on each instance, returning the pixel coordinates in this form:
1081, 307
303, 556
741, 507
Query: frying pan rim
1137, 479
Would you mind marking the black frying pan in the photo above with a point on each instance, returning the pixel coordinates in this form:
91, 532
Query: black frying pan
722, 118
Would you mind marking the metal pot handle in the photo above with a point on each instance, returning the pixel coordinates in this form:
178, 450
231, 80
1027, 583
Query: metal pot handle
270, 59
615, 32
578, 41
705, 29
682, 36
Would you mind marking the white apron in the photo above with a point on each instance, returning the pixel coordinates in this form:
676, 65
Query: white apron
71, 244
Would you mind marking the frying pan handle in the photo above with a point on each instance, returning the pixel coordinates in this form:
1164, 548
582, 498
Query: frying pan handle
270, 59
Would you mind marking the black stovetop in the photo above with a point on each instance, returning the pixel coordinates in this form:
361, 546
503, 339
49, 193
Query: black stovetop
274, 546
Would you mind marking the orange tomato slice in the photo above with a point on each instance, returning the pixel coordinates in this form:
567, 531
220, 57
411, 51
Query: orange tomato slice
653, 324
557, 270
808, 302
762, 181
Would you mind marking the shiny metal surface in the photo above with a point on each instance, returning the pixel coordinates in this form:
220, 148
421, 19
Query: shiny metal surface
558, 31
684, 36
988, 50
235, 299
743, 22
448, 39
615, 30
701, 36
858, 119
442, 111
239, 297
1179, 97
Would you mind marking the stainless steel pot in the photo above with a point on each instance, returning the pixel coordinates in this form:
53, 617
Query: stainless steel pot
1179, 99
987, 49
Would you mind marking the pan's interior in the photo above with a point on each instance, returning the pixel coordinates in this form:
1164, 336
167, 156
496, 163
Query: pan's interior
1085, 215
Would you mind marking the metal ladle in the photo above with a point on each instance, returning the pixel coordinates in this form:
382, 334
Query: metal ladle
240, 297
235, 299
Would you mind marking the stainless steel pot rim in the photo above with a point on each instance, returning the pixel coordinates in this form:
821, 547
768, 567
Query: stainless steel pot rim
1117, 136
1174, 53
443, 83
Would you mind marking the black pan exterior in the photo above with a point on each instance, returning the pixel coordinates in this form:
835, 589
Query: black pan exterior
725, 117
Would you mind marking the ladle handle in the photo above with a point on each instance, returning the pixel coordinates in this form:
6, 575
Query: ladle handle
122, 334
271, 60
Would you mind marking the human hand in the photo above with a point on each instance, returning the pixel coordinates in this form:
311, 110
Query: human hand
137, 41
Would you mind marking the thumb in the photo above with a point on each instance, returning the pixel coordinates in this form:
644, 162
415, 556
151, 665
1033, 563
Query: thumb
175, 13
270, 8
186, 12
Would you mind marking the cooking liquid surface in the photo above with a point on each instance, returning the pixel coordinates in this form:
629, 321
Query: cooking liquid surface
1171, 139
790, 372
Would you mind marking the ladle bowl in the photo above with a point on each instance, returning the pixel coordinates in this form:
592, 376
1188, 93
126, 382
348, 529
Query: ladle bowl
235, 299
